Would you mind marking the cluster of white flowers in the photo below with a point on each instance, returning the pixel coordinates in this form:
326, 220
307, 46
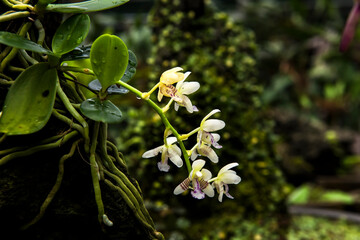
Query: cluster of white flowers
200, 180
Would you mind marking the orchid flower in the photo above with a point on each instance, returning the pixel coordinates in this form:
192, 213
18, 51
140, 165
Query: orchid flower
206, 139
350, 27
225, 177
198, 178
168, 78
183, 89
168, 150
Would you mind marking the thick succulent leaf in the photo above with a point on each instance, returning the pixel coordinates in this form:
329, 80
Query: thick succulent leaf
29, 102
16, 41
84, 79
113, 89
109, 58
85, 6
131, 67
95, 85
78, 53
99, 111
70, 33
45, 2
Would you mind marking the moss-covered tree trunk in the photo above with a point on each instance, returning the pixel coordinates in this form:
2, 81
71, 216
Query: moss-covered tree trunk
25, 183
47, 180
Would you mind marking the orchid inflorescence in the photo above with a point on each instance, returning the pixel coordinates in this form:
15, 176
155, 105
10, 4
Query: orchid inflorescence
199, 180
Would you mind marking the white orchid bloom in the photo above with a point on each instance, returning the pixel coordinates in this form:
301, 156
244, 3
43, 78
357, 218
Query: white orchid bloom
183, 89
199, 178
168, 78
168, 151
225, 177
206, 139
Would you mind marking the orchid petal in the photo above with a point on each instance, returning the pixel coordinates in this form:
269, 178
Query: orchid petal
179, 84
178, 190
176, 159
153, 152
189, 87
172, 70
187, 104
176, 106
182, 187
164, 167
221, 192
227, 192
194, 155
209, 191
197, 193
209, 115
209, 152
211, 138
169, 90
216, 137
186, 75
159, 96
227, 167
206, 174
164, 155
198, 165
171, 140
172, 76
213, 125
177, 150
230, 178
228, 195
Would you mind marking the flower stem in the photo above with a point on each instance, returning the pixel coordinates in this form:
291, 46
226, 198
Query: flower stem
147, 95
164, 119
193, 149
186, 136
166, 108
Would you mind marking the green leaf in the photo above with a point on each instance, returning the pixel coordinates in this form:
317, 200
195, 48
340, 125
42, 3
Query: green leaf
29, 102
45, 2
109, 58
131, 67
99, 111
300, 195
113, 89
82, 52
70, 33
338, 197
16, 41
85, 6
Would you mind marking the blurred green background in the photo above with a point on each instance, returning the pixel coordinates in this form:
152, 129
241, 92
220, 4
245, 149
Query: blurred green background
291, 105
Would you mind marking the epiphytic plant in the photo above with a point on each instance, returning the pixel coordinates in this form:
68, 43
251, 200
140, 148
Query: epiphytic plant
73, 83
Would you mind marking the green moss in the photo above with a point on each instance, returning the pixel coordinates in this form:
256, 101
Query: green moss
306, 227
301, 228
